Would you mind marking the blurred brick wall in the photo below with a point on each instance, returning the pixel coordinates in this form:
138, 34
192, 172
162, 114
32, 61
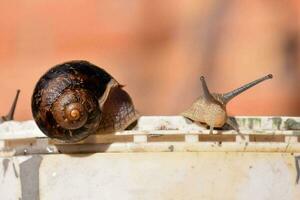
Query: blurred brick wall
158, 49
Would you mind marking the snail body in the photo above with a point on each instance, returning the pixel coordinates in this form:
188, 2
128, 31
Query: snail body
76, 99
210, 108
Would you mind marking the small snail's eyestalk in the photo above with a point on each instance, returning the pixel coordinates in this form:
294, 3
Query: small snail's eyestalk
207, 94
230, 95
10, 115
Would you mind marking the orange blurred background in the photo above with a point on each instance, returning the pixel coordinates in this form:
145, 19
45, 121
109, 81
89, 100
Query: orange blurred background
158, 49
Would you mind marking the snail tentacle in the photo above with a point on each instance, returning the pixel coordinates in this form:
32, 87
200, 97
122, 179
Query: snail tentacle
230, 95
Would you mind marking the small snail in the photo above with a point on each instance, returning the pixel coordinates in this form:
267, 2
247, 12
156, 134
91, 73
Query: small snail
210, 108
10, 115
76, 99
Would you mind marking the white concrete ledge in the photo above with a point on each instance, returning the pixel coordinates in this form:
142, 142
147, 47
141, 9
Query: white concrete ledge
159, 134
163, 157
155, 124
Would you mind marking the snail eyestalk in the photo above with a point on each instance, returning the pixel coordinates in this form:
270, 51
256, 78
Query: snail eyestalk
207, 94
230, 95
10, 115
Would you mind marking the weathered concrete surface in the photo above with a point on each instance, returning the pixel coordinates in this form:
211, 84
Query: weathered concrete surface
29, 173
15, 130
172, 175
168, 170
169, 176
10, 185
29, 129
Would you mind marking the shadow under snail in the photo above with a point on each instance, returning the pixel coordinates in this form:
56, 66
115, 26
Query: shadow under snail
76, 99
210, 108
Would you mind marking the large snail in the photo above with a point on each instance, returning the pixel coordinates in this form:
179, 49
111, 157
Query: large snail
76, 99
210, 108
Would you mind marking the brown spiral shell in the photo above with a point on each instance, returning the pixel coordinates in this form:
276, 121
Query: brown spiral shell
76, 99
